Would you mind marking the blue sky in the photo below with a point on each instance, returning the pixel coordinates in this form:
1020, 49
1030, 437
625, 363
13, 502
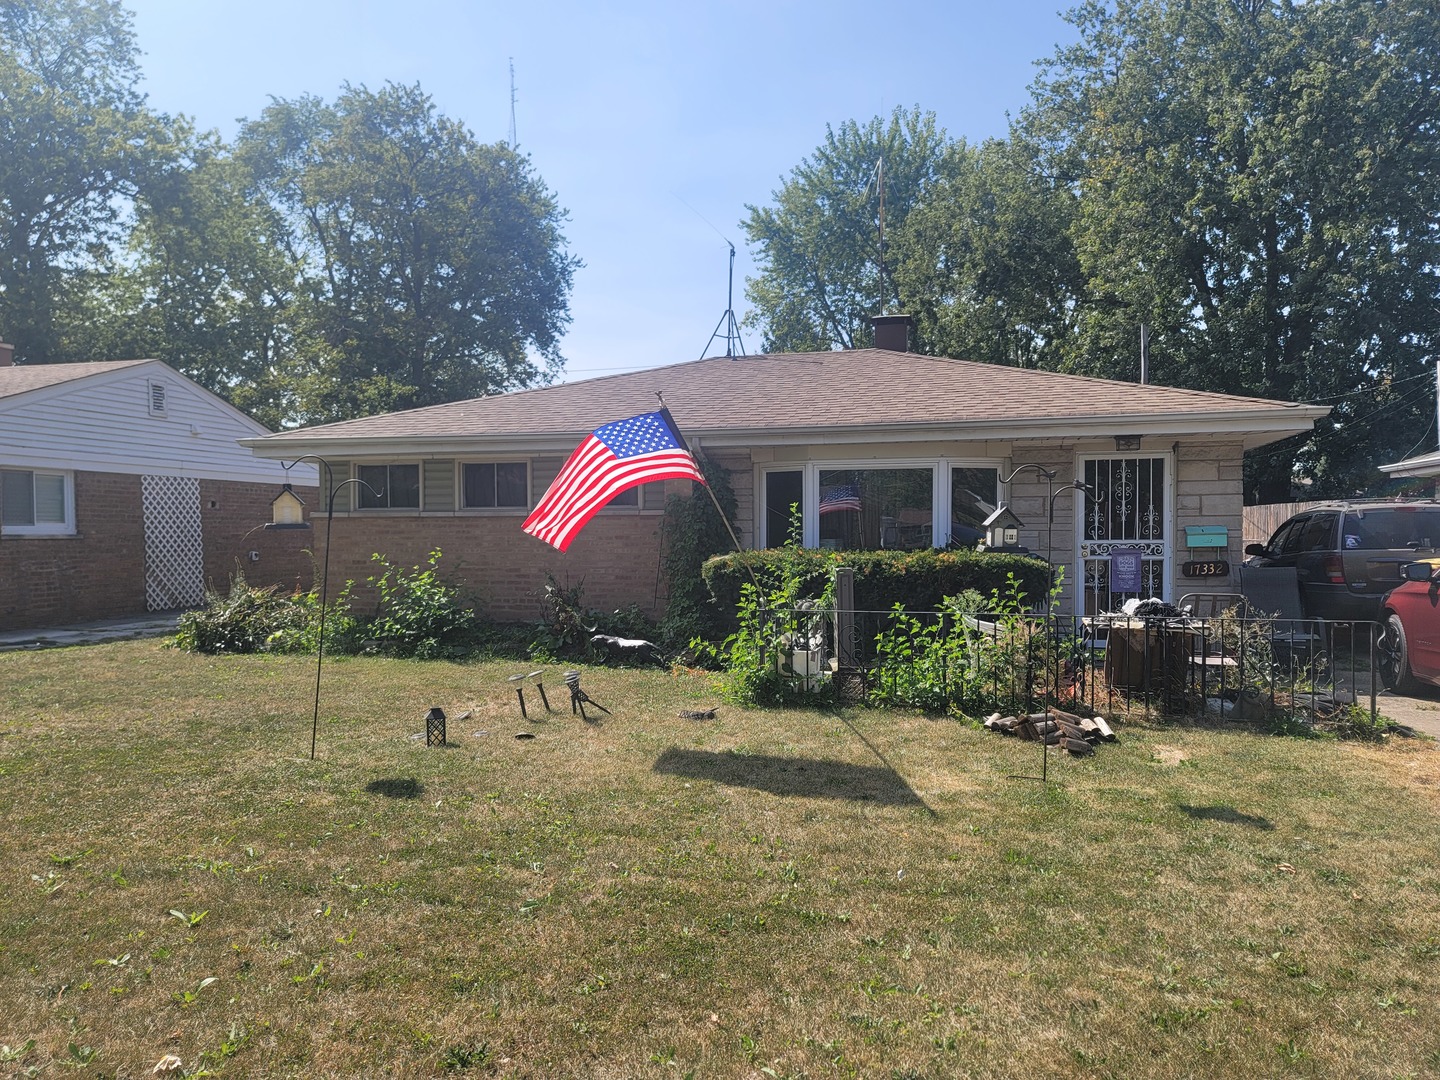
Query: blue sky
654, 124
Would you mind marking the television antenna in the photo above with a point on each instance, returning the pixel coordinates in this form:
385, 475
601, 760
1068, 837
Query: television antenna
728, 322
512, 103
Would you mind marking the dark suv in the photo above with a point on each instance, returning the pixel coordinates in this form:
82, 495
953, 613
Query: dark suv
1348, 555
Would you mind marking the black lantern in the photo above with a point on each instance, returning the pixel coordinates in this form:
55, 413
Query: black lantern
435, 727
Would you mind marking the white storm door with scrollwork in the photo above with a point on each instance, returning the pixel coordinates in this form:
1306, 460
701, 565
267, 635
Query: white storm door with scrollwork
1129, 509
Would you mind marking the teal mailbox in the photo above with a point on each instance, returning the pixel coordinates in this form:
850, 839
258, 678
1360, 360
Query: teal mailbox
1207, 536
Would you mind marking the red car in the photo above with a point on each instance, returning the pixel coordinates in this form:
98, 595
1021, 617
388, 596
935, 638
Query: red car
1409, 643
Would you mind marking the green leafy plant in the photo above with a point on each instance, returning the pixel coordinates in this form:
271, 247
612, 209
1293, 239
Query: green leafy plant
251, 619
419, 615
781, 613
241, 621
565, 623
974, 654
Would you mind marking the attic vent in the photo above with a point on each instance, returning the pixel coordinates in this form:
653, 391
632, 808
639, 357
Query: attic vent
156, 398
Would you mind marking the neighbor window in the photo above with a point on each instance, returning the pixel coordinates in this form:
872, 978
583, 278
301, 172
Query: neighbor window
491, 484
35, 503
388, 487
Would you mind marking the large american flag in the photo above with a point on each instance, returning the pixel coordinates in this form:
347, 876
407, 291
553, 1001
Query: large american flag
612, 459
844, 497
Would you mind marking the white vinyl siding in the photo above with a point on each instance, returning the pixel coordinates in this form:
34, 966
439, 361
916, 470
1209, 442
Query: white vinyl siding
104, 423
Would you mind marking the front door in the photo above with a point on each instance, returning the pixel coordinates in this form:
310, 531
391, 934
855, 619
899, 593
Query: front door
1126, 509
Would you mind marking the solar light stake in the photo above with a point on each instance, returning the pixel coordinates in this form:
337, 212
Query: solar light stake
435, 727
519, 693
540, 687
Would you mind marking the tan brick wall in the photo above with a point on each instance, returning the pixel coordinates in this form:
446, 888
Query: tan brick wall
617, 556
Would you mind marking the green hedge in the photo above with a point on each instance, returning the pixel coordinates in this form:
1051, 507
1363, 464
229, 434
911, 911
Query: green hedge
916, 580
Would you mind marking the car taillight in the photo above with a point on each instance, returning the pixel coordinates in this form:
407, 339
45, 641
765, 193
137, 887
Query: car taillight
1334, 570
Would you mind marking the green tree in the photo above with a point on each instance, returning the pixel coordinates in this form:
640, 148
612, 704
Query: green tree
818, 246
1256, 180
78, 143
205, 284
432, 267
987, 265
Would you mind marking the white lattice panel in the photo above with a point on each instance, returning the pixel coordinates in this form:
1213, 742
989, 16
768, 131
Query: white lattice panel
174, 552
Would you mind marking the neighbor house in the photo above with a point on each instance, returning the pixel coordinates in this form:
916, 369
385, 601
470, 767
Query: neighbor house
872, 447
124, 490
1422, 471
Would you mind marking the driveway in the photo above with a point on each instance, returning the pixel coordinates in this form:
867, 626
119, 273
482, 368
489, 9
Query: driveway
1421, 713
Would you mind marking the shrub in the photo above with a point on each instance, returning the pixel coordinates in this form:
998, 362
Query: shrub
567, 624
975, 655
913, 580
419, 615
243, 621
779, 610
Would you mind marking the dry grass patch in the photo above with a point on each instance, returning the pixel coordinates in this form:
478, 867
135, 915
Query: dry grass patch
786, 893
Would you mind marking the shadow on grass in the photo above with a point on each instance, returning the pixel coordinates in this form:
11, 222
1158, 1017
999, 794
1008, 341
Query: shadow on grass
1228, 814
792, 776
396, 788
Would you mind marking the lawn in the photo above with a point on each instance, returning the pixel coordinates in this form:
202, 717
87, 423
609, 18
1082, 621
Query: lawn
767, 893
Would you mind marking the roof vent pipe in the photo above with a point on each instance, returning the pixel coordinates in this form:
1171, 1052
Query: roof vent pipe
892, 332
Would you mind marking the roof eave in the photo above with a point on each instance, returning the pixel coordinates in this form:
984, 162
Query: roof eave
1256, 427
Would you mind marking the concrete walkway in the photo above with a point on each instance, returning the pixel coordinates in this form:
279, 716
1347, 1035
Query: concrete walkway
89, 633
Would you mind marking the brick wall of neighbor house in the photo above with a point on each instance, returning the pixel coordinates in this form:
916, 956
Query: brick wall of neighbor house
98, 573
617, 556
232, 515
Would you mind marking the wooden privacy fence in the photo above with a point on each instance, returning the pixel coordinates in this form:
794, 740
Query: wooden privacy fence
1260, 522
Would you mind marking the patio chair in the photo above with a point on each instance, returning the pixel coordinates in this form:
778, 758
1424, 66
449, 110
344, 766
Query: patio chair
1274, 592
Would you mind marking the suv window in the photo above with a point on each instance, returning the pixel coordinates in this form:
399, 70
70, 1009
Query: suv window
1318, 534
1286, 540
1392, 527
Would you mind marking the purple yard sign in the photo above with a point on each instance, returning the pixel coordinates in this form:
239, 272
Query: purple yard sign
1125, 570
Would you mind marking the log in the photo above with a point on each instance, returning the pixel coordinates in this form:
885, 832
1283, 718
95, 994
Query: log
1076, 747
1104, 729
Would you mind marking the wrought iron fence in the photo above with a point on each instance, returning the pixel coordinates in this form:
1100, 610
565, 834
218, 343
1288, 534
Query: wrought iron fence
1229, 664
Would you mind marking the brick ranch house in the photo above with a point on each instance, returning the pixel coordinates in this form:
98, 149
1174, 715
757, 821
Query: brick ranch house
123, 489
931, 446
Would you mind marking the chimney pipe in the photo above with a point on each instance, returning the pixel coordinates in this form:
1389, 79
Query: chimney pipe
7, 354
892, 332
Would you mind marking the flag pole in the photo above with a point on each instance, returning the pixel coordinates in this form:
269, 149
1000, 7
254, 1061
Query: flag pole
739, 549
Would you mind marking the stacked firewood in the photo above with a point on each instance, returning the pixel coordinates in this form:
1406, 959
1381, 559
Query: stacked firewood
1074, 734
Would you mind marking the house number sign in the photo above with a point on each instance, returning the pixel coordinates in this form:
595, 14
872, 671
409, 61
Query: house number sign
1203, 568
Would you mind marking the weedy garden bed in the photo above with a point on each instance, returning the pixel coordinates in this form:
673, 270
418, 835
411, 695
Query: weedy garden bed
780, 892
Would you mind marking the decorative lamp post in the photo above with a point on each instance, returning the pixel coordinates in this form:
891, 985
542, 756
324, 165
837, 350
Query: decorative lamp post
287, 511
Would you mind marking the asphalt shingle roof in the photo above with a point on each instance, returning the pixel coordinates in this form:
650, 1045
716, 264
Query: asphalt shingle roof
20, 380
856, 389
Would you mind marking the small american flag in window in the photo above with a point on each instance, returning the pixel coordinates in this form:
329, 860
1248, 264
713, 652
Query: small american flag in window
844, 497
